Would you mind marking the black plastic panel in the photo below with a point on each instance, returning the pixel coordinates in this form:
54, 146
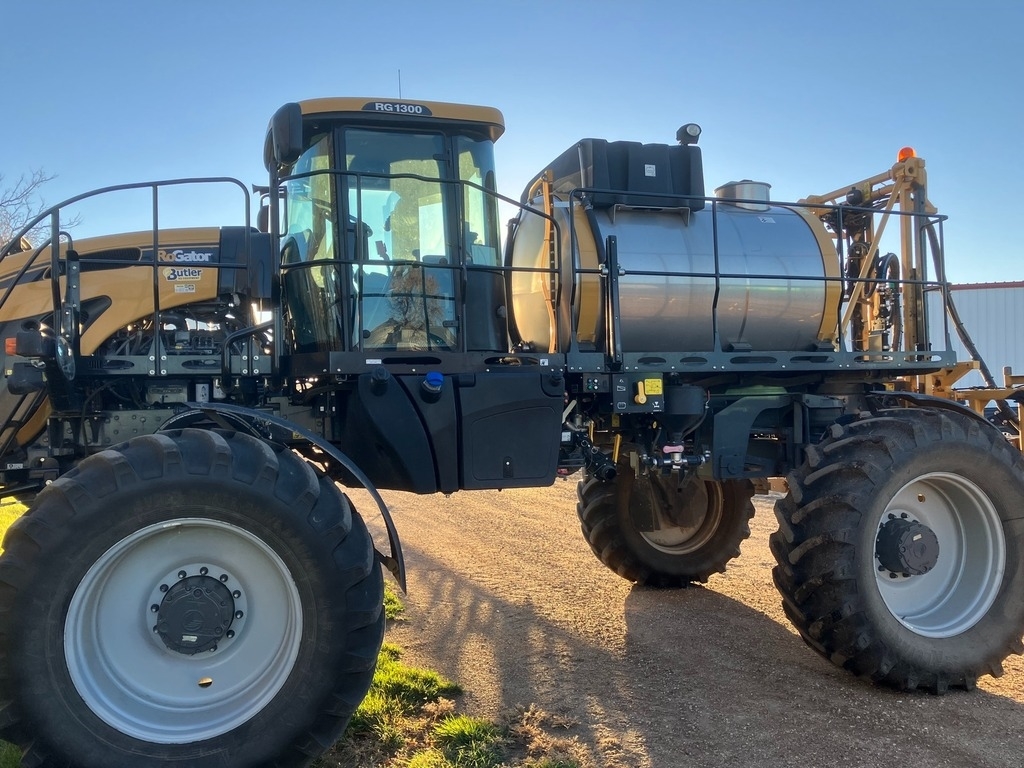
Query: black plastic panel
511, 428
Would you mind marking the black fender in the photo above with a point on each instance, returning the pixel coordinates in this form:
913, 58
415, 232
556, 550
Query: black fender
266, 426
878, 399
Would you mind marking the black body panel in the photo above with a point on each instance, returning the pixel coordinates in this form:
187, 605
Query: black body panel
497, 429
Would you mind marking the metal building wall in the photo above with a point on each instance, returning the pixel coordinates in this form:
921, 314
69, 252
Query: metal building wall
993, 314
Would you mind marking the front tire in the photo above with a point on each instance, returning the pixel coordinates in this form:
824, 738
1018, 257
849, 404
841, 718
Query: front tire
188, 598
899, 550
670, 553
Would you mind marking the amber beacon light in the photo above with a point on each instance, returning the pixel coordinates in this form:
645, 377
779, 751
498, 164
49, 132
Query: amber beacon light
905, 154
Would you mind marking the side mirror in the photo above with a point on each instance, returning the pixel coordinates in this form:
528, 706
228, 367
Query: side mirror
286, 134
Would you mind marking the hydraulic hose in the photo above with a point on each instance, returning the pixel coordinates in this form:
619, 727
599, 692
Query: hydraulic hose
1005, 411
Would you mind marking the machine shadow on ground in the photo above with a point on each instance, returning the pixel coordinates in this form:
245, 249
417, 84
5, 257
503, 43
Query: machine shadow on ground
670, 677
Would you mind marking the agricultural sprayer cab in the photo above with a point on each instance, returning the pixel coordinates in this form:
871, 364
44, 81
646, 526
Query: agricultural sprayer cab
189, 585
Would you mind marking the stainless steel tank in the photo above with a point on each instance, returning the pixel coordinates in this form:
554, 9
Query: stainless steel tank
770, 284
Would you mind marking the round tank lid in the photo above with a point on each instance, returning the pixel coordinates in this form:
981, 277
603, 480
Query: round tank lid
759, 189
755, 192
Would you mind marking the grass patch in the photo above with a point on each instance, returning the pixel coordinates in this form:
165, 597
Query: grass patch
407, 719
398, 690
393, 605
10, 511
401, 700
10, 755
461, 741
469, 742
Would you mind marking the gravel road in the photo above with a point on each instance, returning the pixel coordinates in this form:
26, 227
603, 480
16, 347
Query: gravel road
506, 598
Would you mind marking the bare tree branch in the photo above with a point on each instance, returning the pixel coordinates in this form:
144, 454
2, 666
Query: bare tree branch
21, 202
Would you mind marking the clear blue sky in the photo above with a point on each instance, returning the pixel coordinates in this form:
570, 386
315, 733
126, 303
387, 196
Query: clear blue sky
808, 96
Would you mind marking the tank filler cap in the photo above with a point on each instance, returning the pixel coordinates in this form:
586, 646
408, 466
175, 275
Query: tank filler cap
754, 195
431, 386
379, 378
433, 381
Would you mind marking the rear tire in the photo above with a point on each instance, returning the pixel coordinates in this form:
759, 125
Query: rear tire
190, 598
899, 549
672, 555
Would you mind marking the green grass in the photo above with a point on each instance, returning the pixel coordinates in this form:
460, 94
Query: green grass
462, 741
406, 720
392, 712
9, 512
393, 605
469, 742
10, 756
397, 691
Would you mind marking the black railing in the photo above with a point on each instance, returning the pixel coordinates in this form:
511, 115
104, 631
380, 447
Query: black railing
57, 262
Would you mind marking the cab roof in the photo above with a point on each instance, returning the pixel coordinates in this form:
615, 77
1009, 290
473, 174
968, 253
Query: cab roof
489, 118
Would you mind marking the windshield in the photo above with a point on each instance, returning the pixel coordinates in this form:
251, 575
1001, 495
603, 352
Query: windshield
405, 280
406, 215
383, 264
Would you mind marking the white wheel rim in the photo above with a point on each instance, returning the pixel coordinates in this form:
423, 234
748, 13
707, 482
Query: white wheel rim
957, 593
127, 675
681, 540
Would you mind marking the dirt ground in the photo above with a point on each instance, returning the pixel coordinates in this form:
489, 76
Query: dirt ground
506, 598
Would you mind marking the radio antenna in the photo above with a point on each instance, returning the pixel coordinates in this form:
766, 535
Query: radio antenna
399, 83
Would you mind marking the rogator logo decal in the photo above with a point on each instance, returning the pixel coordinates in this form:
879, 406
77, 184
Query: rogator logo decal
181, 256
182, 273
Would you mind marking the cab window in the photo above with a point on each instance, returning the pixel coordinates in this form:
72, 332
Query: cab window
480, 231
311, 277
405, 279
310, 202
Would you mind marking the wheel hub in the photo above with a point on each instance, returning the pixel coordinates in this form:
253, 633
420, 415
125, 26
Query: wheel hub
195, 614
906, 546
686, 505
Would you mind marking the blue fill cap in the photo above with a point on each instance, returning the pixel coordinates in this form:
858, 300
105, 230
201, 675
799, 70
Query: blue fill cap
433, 382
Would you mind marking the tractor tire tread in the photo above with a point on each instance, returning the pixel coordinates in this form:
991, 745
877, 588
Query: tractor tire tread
239, 460
814, 546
